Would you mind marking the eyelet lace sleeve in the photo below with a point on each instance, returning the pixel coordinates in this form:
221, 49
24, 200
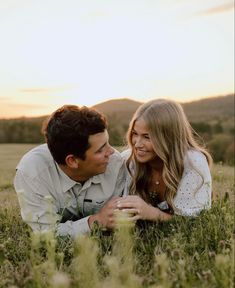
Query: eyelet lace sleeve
194, 191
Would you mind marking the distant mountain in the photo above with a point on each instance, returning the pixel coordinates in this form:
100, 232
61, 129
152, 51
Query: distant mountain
118, 110
209, 109
211, 118
219, 108
118, 105
215, 108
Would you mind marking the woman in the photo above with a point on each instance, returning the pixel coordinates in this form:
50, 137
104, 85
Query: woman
168, 171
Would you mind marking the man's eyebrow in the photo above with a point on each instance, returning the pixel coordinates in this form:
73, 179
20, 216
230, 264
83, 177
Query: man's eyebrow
101, 147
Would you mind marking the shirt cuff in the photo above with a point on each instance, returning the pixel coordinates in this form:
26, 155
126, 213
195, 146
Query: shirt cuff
73, 228
80, 227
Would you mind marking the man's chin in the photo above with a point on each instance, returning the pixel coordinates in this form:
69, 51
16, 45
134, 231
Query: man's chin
101, 171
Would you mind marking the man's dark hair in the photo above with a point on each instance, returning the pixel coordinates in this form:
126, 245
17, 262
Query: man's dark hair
68, 129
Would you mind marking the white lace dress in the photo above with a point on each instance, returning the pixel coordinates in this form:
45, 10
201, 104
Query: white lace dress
195, 188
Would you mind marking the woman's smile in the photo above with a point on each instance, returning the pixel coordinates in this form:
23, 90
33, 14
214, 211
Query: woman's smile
141, 152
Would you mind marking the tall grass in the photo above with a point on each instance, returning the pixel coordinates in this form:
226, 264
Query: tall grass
184, 252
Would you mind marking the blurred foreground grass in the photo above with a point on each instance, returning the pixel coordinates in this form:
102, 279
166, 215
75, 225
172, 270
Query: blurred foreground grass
185, 252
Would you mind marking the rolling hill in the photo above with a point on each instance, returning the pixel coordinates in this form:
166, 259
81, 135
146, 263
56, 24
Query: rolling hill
216, 108
211, 118
220, 108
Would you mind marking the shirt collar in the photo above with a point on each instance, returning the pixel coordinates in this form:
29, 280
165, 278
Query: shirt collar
67, 183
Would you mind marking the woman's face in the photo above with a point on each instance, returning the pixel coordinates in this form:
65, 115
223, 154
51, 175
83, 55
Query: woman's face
142, 145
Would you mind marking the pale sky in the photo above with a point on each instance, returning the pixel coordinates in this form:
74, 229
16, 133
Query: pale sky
56, 52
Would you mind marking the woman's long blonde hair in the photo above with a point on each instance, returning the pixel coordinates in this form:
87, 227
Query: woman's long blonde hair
171, 136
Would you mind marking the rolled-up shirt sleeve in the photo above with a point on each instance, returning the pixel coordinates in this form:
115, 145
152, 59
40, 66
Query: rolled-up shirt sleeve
73, 228
39, 209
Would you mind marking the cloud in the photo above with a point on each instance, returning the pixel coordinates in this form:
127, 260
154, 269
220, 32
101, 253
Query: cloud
26, 106
218, 9
46, 89
34, 90
15, 110
3, 99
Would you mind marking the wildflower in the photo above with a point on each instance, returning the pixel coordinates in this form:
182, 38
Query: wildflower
49, 198
60, 280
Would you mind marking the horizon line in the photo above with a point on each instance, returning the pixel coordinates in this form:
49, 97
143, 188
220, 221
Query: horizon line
112, 100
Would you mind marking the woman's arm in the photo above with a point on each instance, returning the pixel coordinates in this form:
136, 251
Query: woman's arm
141, 210
194, 191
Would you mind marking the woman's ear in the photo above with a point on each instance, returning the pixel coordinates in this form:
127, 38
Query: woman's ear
72, 161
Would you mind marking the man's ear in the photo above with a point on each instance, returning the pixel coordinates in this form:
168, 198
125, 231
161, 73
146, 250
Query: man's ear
72, 161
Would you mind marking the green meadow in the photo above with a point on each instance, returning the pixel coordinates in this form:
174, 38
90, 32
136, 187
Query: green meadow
184, 252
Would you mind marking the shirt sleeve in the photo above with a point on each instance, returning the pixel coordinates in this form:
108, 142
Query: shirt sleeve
39, 209
194, 191
125, 155
120, 182
127, 185
73, 228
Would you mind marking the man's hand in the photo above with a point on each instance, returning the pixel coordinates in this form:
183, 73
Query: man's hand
105, 216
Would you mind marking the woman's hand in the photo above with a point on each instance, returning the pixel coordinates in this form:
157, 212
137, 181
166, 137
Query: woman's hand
136, 206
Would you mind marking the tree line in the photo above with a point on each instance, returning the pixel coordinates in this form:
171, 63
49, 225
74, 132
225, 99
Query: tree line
218, 137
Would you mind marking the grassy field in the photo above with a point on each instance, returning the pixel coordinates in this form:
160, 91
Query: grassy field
185, 252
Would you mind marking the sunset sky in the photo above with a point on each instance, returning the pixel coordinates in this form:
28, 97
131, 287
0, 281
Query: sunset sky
84, 52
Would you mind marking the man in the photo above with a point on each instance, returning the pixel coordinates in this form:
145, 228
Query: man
73, 180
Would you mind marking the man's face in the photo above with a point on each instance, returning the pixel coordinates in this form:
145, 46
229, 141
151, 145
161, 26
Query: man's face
97, 156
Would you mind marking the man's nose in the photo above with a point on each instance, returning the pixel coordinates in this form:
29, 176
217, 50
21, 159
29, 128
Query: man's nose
110, 150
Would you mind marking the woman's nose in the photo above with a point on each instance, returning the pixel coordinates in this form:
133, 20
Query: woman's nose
138, 142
